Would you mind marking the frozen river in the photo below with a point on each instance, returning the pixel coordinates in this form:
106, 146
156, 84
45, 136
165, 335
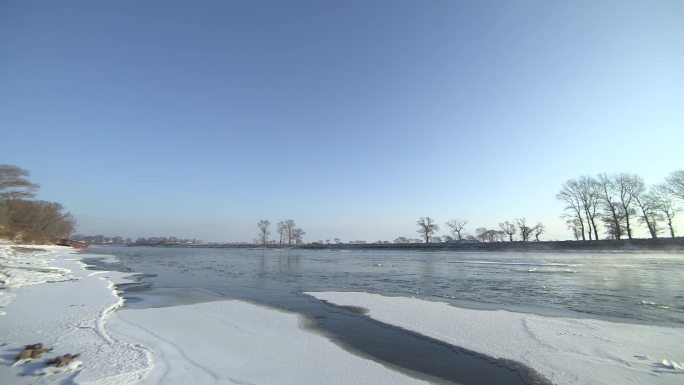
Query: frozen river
638, 288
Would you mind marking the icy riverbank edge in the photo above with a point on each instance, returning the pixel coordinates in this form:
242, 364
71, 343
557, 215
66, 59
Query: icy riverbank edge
48, 296
565, 350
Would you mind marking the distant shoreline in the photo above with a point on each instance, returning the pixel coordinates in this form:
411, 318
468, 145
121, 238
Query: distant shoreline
658, 244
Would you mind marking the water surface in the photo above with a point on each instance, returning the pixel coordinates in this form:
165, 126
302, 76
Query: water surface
645, 288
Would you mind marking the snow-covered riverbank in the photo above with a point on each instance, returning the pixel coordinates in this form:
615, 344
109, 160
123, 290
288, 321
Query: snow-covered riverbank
51, 298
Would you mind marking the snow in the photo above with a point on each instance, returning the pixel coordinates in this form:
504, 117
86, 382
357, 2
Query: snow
672, 365
565, 350
28, 265
59, 303
235, 342
56, 302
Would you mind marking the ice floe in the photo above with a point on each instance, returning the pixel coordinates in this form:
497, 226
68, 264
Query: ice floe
672, 365
654, 304
565, 350
235, 342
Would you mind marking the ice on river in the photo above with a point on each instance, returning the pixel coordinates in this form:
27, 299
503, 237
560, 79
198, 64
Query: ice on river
565, 350
235, 342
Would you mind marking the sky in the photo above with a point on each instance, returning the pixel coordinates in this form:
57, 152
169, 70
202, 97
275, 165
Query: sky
354, 118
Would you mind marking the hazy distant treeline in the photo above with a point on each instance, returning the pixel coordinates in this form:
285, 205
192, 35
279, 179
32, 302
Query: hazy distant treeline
23, 219
151, 241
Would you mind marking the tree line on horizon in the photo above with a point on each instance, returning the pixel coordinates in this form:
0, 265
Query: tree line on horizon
618, 201
614, 200
23, 219
428, 228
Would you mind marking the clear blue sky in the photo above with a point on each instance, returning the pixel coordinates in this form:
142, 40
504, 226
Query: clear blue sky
197, 119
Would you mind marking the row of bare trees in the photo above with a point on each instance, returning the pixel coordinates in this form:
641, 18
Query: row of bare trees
287, 230
25, 220
509, 229
619, 201
428, 228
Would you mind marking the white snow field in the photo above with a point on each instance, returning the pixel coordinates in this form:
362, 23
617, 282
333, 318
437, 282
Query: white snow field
565, 350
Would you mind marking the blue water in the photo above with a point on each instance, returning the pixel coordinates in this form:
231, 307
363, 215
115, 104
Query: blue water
640, 287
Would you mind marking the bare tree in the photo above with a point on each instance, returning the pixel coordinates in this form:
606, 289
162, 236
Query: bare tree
538, 229
570, 194
525, 231
628, 186
290, 227
492, 235
649, 214
456, 225
508, 229
297, 235
663, 200
613, 226
487, 235
281, 229
427, 227
574, 226
263, 231
675, 183
590, 197
13, 183
481, 234
613, 212
501, 236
